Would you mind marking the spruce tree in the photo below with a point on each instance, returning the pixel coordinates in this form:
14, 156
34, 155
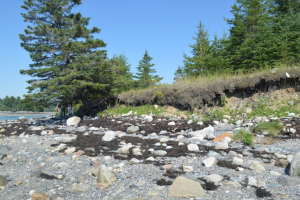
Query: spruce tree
145, 72
122, 77
197, 64
68, 62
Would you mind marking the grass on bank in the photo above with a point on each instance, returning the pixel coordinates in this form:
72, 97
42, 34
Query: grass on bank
273, 128
140, 110
243, 136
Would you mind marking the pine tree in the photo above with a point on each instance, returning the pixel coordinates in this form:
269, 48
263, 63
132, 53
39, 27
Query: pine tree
197, 64
145, 72
122, 77
68, 64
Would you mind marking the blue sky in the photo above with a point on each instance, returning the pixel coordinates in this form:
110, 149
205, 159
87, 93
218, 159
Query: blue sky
163, 27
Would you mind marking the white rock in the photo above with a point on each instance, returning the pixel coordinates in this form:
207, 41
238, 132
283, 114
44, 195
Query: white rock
70, 150
289, 157
187, 168
150, 159
193, 147
134, 161
157, 144
275, 173
295, 166
221, 145
254, 165
240, 169
148, 118
136, 151
169, 147
279, 155
227, 140
180, 137
252, 181
209, 162
125, 148
180, 143
164, 139
109, 136
66, 138
73, 121
215, 178
237, 161
190, 121
171, 123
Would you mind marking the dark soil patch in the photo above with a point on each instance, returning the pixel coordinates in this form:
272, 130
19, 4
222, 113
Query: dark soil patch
46, 176
162, 182
227, 164
173, 174
261, 193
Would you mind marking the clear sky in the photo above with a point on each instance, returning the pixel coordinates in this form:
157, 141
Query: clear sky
163, 27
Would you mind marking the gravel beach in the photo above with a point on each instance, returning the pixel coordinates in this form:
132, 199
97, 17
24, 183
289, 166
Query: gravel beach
147, 157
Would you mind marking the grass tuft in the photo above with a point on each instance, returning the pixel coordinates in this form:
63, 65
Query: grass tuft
273, 128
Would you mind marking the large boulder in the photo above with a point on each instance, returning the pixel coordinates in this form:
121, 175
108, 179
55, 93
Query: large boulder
208, 131
105, 176
73, 121
288, 181
295, 165
185, 188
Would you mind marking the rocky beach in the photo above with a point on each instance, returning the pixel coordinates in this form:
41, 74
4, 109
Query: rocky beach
147, 157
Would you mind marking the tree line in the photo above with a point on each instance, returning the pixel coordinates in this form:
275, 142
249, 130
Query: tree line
70, 65
16, 104
262, 33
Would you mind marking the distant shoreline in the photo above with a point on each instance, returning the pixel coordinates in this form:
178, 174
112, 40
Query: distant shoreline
25, 113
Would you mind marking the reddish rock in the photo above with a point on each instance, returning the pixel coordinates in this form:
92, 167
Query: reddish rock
101, 186
50, 132
79, 153
168, 167
221, 137
96, 163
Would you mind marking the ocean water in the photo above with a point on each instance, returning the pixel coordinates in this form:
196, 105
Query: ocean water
17, 116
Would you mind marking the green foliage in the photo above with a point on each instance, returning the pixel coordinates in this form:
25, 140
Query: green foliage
224, 101
145, 70
273, 128
158, 97
68, 63
122, 77
243, 136
248, 139
17, 104
140, 110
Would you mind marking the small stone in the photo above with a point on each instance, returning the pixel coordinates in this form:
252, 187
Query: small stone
275, 173
134, 161
39, 196
254, 165
171, 123
222, 145
73, 121
152, 192
3, 181
215, 178
188, 168
193, 147
132, 129
209, 162
70, 150
167, 167
76, 188
237, 161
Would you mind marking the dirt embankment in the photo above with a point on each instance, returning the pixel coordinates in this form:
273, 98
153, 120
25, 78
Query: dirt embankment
204, 92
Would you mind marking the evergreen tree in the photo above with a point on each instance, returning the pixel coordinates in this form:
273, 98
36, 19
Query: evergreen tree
251, 19
122, 77
197, 64
68, 64
145, 72
180, 74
